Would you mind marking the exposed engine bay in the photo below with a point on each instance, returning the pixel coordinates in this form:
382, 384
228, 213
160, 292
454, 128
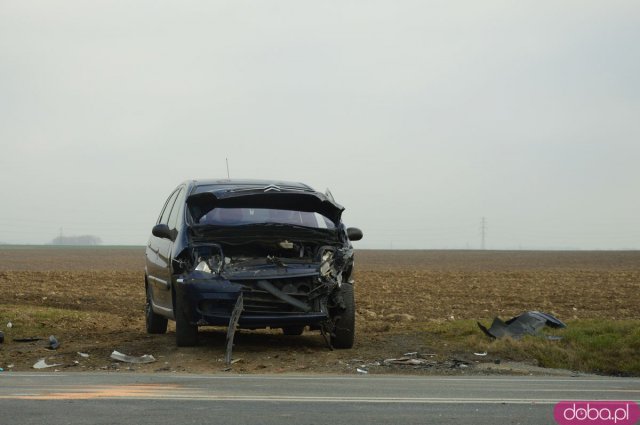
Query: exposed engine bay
285, 276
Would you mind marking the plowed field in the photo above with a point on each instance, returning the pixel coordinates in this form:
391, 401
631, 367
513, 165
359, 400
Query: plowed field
92, 300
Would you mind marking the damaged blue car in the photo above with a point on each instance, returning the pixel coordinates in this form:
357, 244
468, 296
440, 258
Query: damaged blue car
252, 254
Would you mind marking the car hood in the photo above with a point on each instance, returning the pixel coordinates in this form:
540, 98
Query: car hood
270, 197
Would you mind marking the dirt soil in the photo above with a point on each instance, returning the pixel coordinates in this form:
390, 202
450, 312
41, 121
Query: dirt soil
92, 300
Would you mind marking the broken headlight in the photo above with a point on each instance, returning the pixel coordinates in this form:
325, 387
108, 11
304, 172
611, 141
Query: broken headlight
209, 259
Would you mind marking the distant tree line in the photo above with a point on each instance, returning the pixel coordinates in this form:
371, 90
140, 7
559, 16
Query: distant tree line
77, 240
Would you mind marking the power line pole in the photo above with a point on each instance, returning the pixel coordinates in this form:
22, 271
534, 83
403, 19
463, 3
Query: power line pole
483, 230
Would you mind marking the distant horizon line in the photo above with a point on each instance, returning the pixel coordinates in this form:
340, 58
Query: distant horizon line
49, 245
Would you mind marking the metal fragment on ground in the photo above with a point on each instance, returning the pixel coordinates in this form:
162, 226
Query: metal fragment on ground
147, 358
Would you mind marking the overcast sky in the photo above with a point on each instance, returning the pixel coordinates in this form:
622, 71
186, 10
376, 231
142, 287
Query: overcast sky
421, 116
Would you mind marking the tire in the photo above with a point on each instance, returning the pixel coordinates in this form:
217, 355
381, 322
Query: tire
156, 324
186, 333
293, 330
345, 319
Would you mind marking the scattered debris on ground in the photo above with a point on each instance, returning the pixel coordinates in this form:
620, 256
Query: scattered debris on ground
409, 361
53, 343
146, 358
27, 339
42, 364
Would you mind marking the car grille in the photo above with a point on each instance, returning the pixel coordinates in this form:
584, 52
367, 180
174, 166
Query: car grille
258, 301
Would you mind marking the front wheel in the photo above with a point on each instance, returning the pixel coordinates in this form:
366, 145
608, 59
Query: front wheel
186, 333
156, 324
344, 319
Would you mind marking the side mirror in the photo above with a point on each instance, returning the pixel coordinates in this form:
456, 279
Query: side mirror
162, 231
354, 234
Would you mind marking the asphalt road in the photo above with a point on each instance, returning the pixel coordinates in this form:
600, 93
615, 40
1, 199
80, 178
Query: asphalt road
118, 398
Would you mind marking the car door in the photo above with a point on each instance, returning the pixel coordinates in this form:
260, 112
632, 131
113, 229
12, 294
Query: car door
158, 254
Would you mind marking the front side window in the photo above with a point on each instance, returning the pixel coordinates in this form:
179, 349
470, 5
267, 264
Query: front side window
177, 208
164, 216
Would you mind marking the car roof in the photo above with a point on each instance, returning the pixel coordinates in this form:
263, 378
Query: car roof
207, 185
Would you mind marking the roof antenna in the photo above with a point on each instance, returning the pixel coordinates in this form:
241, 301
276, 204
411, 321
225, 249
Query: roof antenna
227, 159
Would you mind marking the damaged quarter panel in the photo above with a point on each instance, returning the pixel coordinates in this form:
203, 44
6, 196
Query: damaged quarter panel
281, 245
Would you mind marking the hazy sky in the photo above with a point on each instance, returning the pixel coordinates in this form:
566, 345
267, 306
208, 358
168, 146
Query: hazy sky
421, 116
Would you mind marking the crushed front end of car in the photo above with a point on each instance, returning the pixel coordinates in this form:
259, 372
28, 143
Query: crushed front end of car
287, 254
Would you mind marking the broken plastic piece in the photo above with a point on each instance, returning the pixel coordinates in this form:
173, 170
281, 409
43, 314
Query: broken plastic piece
484, 353
9, 325
42, 364
364, 371
85, 355
233, 325
147, 358
53, 343
528, 323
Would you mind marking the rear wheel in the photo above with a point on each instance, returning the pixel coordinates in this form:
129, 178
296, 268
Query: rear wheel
344, 319
186, 333
156, 324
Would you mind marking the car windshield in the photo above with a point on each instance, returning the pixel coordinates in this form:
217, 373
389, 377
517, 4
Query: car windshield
241, 216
